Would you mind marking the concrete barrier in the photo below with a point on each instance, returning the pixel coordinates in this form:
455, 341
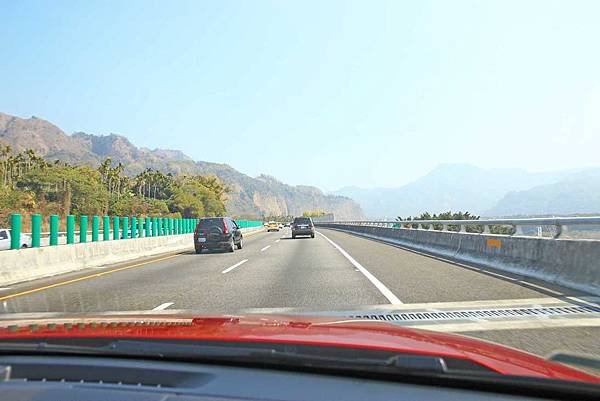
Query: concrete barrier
33, 263
573, 263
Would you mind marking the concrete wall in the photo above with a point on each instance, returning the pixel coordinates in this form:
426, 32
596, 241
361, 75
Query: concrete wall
33, 263
568, 262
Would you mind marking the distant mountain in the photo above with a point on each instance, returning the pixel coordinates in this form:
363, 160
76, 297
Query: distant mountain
448, 187
263, 195
577, 193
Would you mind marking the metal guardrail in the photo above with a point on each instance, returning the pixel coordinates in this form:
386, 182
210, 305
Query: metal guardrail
559, 223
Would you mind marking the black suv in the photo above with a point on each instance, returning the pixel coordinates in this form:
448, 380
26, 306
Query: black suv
303, 226
217, 233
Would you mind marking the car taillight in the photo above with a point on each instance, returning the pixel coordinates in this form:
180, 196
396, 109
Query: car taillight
225, 230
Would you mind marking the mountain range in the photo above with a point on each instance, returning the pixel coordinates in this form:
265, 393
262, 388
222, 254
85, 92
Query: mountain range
249, 196
487, 192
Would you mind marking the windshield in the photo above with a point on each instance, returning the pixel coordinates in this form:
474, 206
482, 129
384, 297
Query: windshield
210, 223
429, 165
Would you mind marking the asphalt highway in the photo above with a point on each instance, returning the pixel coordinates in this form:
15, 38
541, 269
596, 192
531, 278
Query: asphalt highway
335, 271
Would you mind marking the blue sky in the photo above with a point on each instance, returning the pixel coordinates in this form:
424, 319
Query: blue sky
326, 93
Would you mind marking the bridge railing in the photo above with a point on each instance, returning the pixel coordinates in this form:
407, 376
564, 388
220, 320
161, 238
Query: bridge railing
554, 227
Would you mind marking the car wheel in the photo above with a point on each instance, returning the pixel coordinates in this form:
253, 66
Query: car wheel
240, 244
293, 236
232, 246
198, 251
312, 236
24, 246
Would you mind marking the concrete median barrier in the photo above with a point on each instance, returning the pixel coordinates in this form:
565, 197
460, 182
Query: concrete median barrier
573, 263
29, 264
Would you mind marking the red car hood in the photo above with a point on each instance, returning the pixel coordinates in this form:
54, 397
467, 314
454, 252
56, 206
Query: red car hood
324, 331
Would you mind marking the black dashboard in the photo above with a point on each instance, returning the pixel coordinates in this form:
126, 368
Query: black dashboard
65, 378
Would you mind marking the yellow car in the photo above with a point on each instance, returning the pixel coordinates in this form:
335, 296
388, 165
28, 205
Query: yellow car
273, 226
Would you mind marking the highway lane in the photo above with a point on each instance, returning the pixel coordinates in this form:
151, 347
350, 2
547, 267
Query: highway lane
273, 273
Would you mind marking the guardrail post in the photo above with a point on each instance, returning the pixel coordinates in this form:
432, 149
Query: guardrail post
36, 230
518, 229
463, 228
141, 222
95, 228
133, 227
70, 229
125, 234
486, 229
105, 228
83, 225
560, 230
15, 231
54, 230
116, 220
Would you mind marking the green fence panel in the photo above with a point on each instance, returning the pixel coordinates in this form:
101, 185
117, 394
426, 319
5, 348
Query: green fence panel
70, 229
133, 227
141, 222
36, 230
116, 230
15, 231
125, 233
148, 227
249, 223
95, 228
54, 222
105, 228
83, 226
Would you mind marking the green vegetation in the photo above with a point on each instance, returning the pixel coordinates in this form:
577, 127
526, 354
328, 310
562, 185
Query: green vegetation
29, 184
314, 213
281, 219
494, 229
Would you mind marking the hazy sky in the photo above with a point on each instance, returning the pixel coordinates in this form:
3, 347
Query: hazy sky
328, 93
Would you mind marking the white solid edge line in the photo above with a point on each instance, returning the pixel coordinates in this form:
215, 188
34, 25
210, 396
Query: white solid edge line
394, 300
278, 240
265, 248
163, 306
234, 266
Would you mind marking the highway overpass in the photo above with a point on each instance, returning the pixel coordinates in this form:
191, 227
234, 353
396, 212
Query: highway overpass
337, 272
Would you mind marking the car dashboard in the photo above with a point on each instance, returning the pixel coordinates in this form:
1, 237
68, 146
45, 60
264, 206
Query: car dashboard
29, 377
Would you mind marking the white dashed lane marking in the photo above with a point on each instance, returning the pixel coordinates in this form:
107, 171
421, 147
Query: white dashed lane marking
234, 266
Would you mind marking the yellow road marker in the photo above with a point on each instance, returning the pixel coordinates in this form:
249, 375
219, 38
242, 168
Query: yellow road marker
75, 280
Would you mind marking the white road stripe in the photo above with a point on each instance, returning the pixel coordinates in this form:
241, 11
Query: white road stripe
380, 286
265, 248
163, 306
5, 288
278, 240
234, 266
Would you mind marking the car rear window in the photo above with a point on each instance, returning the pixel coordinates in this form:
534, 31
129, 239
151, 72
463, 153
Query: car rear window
301, 220
209, 223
